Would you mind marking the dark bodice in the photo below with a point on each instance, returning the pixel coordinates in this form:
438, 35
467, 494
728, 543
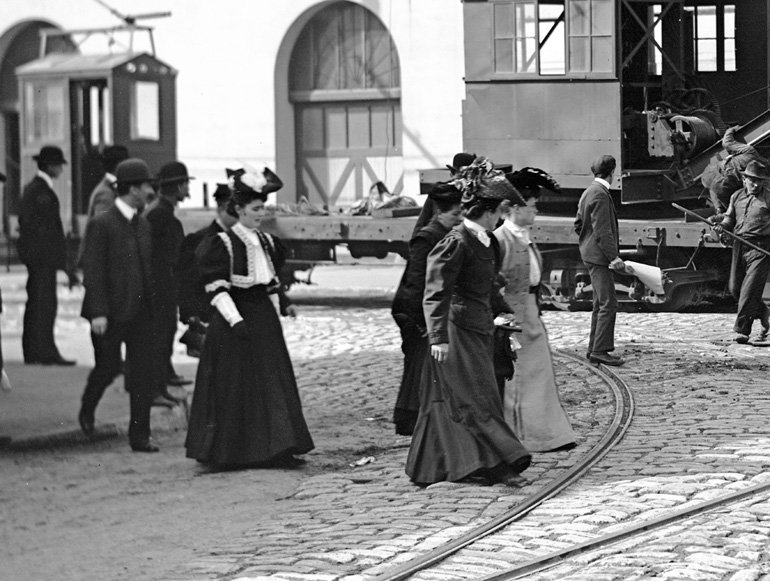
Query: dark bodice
459, 281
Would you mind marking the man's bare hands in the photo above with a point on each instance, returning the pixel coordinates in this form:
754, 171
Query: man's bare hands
439, 351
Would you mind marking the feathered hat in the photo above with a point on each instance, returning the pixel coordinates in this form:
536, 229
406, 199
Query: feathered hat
481, 180
249, 180
529, 180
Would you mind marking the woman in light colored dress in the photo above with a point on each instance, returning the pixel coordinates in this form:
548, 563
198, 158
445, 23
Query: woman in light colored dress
531, 404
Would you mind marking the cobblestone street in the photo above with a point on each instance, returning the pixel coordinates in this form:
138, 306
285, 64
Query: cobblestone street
97, 512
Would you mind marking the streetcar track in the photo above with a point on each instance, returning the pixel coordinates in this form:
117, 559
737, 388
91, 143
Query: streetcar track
624, 412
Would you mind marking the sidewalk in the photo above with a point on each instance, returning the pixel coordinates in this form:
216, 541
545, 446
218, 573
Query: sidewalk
42, 408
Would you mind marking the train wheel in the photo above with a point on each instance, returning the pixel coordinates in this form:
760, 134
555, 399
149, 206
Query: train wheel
681, 297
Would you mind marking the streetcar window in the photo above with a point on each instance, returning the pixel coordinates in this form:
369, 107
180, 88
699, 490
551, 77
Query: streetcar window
591, 24
45, 112
145, 111
553, 37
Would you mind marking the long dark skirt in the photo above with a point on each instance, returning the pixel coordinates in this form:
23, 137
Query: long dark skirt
246, 407
461, 429
415, 348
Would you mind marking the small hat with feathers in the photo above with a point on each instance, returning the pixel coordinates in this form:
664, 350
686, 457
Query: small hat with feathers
532, 178
250, 180
481, 180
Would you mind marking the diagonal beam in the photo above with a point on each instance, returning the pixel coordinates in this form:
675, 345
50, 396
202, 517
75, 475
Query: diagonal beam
648, 35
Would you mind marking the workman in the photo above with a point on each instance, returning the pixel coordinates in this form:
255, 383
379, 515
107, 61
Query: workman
748, 216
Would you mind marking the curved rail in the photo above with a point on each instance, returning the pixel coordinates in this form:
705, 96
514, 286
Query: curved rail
624, 411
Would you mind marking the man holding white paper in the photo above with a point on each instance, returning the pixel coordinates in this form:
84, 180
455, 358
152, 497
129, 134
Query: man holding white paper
597, 228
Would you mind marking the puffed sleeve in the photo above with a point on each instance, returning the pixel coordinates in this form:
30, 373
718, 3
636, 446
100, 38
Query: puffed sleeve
214, 265
443, 268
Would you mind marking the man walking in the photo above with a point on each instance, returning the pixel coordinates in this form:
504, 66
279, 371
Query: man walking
118, 301
167, 236
42, 249
597, 228
748, 216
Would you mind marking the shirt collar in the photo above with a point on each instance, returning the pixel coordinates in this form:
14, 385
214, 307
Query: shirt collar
128, 211
478, 231
603, 182
45, 177
110, 178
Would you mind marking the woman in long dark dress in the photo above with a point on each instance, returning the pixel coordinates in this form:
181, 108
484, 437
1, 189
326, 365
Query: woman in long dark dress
461, 431
246, 407
407, 304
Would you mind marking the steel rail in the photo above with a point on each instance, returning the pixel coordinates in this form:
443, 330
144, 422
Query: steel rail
624, 412
558, 557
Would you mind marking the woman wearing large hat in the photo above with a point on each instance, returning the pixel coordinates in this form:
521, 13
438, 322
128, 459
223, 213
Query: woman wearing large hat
407, 304
246, 407
461, 431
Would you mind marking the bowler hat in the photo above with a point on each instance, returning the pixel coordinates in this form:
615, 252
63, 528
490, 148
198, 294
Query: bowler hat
173, 171
133, 171
50, 154
461, 160
756, 170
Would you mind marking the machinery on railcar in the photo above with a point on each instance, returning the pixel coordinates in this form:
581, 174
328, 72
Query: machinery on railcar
554, 83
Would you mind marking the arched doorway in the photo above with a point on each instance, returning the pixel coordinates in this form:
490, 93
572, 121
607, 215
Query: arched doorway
344, 84
19, 45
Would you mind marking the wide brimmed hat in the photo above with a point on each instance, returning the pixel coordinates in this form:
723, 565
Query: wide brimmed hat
756, 170
133, 171
258, 181
531, 179
173, 171
50, 154
480, 179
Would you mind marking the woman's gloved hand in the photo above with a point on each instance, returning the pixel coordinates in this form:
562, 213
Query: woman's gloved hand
241, 330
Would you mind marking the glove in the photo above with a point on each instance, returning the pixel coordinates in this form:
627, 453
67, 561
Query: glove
242, 331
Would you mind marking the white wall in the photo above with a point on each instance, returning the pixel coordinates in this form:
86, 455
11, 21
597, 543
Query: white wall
226, 53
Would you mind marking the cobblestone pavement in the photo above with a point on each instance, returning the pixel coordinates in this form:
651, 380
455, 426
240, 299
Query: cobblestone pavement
700, 431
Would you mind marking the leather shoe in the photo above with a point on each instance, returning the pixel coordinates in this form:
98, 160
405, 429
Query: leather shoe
606, 359
144, 447
742, 339
86, 421
178, 381
162, 400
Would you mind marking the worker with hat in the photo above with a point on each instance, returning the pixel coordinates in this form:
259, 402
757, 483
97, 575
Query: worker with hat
119, 300
748, 216
167, 237
42, 249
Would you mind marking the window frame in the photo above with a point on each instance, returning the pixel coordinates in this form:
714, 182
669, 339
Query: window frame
720, 39
569, 73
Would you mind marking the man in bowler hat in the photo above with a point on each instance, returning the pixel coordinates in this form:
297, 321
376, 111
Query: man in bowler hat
167, 236
748, 216
597, 228
42, 249
119, 300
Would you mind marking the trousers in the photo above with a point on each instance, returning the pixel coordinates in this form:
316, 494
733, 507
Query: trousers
605, 309
748, 275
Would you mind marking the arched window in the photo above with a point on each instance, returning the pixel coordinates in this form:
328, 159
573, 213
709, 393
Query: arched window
344, 82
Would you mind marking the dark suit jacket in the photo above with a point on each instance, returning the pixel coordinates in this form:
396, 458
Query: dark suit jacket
116, 267
167, 236
597, 226
192, 296
41, 234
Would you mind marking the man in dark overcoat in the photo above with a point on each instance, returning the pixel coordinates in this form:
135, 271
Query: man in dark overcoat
597, 228
167, 236
42, 249
119, 300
